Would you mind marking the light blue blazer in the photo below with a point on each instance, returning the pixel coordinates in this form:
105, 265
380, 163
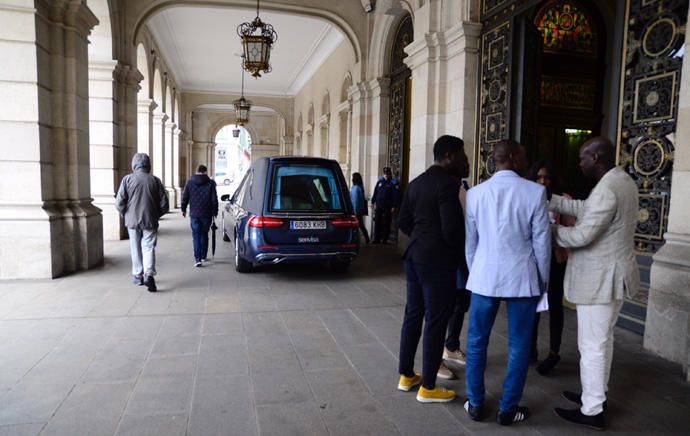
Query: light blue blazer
508, 241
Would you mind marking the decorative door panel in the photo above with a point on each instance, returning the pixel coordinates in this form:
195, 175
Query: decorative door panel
398, 137
494, 111
653, 58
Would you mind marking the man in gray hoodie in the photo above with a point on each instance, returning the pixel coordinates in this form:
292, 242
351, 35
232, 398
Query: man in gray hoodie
142, 200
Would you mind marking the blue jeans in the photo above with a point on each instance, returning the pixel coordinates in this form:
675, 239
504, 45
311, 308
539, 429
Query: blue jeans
430, 300
521, 313
200, 227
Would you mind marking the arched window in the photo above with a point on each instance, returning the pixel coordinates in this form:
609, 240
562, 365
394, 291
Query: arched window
233, 156
567, 27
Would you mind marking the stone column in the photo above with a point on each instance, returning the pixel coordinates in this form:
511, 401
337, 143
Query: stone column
444, 84
158, 152
103, 147
189, 147
170, 156
127, 87
667, 329
145, 110
48, 224
178, 138
379, 92
202, 153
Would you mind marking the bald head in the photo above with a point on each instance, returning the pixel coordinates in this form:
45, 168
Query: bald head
604, 148
597, 157
509, 155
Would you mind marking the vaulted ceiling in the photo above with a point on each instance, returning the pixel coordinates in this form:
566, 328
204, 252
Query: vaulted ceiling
201, 46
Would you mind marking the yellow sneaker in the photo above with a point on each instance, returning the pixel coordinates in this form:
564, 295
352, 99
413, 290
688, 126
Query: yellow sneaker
436, 395
407, 383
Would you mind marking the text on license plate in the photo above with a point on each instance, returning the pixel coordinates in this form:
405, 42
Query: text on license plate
307, 225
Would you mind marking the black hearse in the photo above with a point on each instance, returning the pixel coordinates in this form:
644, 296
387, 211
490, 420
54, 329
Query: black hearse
291, 209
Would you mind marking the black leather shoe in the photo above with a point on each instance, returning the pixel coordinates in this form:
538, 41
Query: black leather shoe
475, 413
546, 365
596, 422
577, 399
150, 284
517, 415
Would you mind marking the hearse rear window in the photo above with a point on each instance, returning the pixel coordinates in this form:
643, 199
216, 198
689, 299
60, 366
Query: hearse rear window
305, 188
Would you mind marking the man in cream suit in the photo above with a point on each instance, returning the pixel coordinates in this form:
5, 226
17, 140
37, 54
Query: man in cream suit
508, 250
601, 270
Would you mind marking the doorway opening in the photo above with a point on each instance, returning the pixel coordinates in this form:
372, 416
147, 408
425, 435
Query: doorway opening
232, 157
571, 67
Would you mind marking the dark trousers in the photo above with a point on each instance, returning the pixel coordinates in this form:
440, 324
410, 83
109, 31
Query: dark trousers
362, 227
555, 308
200, 227
382, 224
462, 304
430, 295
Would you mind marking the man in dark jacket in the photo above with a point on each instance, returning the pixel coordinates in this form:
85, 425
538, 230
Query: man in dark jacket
200, 194
142, 200
386, 199
431, 216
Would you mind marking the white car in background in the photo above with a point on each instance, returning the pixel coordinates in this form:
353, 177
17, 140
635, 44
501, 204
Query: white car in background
223, 178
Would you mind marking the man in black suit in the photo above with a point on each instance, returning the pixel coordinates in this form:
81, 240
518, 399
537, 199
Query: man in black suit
432, 217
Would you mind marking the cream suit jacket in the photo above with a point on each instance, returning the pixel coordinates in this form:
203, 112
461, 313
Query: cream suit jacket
602, 265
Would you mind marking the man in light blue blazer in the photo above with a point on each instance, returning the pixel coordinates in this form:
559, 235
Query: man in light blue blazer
508, 251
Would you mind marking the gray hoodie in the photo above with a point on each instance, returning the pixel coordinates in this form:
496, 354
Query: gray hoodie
141, 199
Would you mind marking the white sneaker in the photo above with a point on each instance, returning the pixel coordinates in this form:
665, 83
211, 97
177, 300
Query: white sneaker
445, 373
455, 356
197, 263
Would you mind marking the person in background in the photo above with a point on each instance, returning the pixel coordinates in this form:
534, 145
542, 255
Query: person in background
385, 200
432, 217
201, 196
359, 203
452, 351
544, 173
508, 253
142, 201
602, 270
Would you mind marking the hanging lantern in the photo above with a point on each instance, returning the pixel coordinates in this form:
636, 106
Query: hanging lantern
242, 107
257, 40
236, 131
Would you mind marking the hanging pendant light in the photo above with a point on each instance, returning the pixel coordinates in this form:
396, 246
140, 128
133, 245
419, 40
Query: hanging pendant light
257, 45
236, 131
242, 107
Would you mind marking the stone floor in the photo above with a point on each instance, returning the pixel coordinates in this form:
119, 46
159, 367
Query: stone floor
285, 351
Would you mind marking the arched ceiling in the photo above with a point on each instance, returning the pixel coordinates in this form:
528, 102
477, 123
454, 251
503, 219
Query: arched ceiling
200, 45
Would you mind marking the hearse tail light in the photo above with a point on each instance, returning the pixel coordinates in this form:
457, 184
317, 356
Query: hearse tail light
350, 221
264, 221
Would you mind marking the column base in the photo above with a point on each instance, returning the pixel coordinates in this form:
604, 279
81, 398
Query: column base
667, 330
113, 224
178, 198
29, 243
172, 196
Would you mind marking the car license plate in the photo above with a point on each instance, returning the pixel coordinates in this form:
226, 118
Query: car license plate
307, 225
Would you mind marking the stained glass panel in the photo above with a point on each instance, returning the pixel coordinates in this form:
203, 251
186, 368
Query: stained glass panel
565, 27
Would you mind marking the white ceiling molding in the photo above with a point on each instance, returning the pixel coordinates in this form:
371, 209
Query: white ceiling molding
329, 40
200, 45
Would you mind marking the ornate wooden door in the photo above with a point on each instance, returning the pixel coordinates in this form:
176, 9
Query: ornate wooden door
652, 63
398, 126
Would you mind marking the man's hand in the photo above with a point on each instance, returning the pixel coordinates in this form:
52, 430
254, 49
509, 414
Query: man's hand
392, 210
184, 214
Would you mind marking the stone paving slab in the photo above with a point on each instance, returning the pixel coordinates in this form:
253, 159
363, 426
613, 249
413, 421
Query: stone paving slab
285, 350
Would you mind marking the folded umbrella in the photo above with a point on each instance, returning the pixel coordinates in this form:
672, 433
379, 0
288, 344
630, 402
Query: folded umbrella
214, 227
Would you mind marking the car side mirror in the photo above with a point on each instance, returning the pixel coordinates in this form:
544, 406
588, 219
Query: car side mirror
225, 197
